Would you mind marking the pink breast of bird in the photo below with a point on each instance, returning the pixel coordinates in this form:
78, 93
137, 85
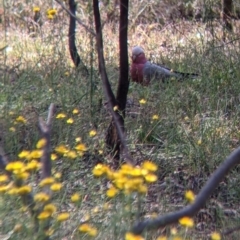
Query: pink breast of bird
137, 72
137, 68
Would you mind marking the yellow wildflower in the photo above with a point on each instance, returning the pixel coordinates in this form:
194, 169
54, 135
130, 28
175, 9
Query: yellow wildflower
186, 222
155, 117
13, 191
63, 217
62, 149
75, 111
36, 9
58, 175
99, 170
150, 178
4, 188
95, 210
71, 154
33, 165
44, 215
47, 181
24, 190
189, 195
86, 217
142, 189
49, 232
53, 156
86, 228
22, 175
12, 129
112, 192
17, 165
56, 187
11, 113
70, 121
41, 143
81, 147
92, 133
173, 231
60, 115
215, 236
41, 197
21, 119
23, 154
150, 166
162, 238
177, 238
66, 73
50, 17
142, 101
92, 232
131, 236
3, 178
199, 142
51, 208
136, 172
51, 12
37, 153
78, 139
75, 197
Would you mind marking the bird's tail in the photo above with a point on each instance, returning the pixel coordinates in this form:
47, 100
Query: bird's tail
183, 76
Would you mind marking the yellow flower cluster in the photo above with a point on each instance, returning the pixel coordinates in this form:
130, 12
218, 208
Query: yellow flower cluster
186, 222
86, 228
36, 9
51, 13
21, 119
128, 178
75, 111
69, 153
131, 236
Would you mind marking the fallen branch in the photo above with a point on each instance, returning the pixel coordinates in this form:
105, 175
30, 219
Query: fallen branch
204, 194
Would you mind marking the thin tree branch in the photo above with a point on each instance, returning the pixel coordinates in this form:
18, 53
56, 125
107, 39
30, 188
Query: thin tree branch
77, 19
111, 100
230, 231
204, 194
45, 130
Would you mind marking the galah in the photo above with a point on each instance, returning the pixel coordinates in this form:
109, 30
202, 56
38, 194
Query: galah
143, 71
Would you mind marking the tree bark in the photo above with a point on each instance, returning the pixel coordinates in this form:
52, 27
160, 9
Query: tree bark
227, 7
112, 140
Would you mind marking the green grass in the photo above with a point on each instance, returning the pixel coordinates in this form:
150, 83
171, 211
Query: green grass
198, 126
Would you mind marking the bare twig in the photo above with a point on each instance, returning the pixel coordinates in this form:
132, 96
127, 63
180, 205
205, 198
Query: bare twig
45, 130
230, 231
204, 194
3, 159
77, 19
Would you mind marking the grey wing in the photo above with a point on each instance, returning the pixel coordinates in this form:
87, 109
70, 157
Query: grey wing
153, 71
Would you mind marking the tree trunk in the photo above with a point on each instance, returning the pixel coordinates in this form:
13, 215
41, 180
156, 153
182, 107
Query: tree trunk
227, 8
